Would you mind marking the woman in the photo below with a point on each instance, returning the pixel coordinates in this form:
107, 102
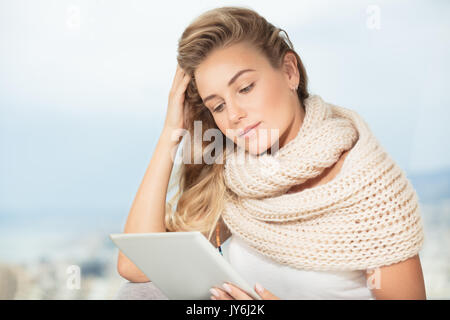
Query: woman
317, 210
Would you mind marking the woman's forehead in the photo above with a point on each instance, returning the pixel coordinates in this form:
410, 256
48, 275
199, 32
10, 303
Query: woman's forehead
225, 61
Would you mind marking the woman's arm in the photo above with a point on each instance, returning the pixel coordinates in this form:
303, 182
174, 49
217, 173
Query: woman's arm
148, 208
400, 281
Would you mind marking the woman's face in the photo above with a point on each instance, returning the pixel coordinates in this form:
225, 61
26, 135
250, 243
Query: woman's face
240, 88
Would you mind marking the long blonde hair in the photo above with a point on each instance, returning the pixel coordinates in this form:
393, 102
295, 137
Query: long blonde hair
202, 192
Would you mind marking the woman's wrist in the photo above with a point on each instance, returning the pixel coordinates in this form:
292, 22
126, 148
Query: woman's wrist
172, 135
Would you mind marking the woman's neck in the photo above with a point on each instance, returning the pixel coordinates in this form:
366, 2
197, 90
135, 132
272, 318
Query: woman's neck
294, 127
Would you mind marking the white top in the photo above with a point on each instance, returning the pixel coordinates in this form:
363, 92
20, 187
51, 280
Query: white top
289, 283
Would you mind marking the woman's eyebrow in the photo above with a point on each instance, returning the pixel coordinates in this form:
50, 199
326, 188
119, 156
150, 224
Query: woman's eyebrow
233, 79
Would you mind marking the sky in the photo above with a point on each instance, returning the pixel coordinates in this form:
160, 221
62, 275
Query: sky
84, 88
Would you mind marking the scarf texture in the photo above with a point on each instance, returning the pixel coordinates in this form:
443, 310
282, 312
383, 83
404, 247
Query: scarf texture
368, 216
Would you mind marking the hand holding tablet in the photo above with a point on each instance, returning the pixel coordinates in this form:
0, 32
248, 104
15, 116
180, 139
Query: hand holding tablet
183, 265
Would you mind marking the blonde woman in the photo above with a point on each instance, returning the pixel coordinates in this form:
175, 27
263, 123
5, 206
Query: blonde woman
317, 210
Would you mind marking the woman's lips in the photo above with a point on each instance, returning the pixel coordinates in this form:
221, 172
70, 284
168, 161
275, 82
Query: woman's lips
250, 132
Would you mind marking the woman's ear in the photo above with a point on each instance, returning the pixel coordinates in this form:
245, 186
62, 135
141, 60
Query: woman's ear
290, 70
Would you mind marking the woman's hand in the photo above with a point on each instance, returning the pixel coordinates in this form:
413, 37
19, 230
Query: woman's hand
175, 108
232, 292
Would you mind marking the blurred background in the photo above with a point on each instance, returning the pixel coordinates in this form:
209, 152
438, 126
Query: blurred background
83, 95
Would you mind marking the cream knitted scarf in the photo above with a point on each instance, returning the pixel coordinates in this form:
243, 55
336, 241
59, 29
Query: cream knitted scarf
366, 217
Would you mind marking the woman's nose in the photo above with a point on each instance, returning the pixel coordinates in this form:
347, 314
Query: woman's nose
235, 113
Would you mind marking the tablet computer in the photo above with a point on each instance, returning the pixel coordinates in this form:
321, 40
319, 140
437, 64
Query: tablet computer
183, 265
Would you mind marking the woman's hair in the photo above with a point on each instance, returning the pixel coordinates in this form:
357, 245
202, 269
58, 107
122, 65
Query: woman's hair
202, 190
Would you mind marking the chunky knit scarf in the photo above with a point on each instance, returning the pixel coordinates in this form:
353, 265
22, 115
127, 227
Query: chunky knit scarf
366, 217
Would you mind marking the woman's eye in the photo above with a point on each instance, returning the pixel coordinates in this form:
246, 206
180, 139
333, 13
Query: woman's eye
219, 108
245, 90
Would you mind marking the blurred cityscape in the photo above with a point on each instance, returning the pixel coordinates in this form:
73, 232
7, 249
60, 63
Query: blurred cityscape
83, 266
86, 270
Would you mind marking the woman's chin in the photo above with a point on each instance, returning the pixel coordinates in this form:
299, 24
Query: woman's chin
258, 144
255, 148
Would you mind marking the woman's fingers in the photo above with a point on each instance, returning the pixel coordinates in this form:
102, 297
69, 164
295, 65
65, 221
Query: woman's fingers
175, 108
222, 295
179, 73
234, 293
180, 82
